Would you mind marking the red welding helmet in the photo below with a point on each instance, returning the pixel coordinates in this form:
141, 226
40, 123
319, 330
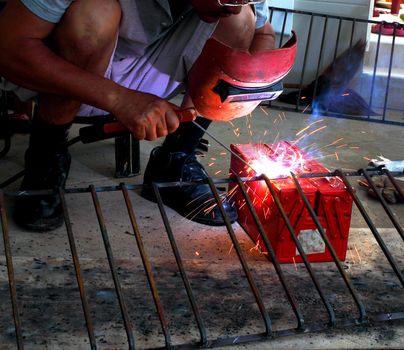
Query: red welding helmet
227, 83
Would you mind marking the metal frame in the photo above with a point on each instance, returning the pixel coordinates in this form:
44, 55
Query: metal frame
342, 21
204, 341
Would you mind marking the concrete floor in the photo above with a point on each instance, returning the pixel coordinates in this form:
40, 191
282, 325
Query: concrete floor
47, 283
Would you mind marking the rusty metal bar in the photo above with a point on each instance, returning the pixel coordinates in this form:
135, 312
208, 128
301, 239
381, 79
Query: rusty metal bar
274, 8
374, 70
320, 61
304, 63
147, 266
352, 32
330, 311
177, 255
271, 14
111, 262
386, 96
243, 261
10, 273
337, 39
383, 203
285, 17
372, 227
229, 340
348, 283
271, 252
79, 276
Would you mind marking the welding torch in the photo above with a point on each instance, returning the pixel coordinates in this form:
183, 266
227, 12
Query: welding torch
104, 131
100, 132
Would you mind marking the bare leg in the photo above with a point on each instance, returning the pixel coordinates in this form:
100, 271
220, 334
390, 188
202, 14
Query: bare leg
86, 36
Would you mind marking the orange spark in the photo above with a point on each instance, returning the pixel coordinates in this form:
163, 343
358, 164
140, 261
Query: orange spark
263, 110
357, 252
256, 247
276, 138
196, 253
305, 109
307, 147
308, 126
300, 138
241, 206
317, 130
350, 253
294, 262
331, 144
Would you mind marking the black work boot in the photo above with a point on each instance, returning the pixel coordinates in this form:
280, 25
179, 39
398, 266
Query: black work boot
47, 164
195, 202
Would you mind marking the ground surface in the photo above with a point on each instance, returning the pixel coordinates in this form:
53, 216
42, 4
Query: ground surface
46, 286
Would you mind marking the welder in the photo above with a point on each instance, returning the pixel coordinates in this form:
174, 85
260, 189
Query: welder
128, 58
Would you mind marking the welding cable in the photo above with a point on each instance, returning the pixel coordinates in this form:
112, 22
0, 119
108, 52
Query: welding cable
103, 131
20, 174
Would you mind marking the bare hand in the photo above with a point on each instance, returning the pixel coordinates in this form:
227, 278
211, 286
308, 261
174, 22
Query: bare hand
146, 116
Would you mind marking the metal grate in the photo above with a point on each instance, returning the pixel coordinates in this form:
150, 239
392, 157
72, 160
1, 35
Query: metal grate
326, 315
322, 38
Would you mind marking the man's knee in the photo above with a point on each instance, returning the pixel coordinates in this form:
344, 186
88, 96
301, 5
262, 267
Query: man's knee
238, 30
88, 26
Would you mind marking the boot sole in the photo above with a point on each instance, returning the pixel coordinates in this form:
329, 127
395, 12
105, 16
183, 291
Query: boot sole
201, 220
42, 226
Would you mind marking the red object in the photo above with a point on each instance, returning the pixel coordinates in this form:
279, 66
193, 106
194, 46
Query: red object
388, 29
395, 7
328, 196
239, 68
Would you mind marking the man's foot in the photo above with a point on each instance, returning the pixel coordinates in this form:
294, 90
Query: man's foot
195, 202
42, 212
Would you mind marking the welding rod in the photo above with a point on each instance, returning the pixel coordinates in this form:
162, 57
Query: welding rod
104, 131
223, 145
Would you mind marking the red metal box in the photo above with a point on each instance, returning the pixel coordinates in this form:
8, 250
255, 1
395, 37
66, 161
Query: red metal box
328, 196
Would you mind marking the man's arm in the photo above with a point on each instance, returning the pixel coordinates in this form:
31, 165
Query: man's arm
264, 39
27, 61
